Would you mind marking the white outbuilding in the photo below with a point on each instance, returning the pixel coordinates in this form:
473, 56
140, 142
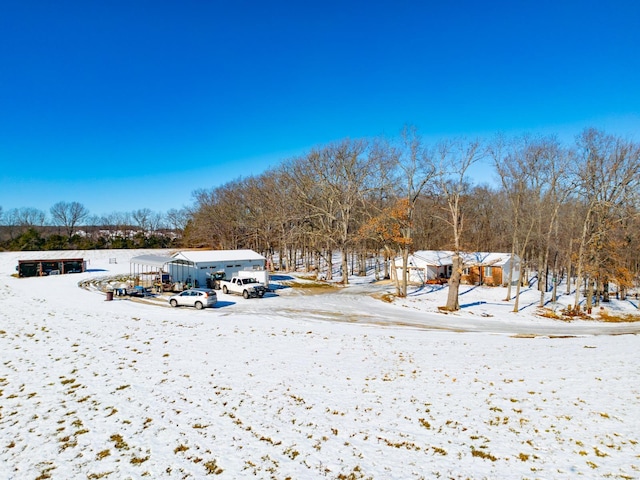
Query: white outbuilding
201, 266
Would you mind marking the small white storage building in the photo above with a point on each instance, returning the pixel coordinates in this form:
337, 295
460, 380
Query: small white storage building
193, 266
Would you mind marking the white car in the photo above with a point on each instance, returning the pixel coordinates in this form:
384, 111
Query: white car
194, 297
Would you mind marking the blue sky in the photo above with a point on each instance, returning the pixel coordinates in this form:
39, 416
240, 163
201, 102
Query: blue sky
122, 105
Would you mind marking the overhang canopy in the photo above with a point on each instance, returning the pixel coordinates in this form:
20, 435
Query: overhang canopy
157, 261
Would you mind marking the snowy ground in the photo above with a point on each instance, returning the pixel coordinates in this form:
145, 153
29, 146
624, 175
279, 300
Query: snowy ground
308, 384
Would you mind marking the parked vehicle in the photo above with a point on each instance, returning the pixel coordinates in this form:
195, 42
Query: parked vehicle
214, 279
247, 287
194, 297
137, 291
262, 276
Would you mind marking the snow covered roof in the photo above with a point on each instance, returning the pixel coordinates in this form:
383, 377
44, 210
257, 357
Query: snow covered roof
423, 258
152, 260
50, 255
486, 258
198, 256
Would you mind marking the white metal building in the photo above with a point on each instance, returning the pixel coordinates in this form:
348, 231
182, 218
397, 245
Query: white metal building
193, 266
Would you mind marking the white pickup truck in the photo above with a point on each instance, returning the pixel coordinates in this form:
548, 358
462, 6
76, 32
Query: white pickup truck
247, 287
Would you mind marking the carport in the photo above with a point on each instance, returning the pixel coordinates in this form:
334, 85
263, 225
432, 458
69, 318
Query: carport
149, 270
51, 266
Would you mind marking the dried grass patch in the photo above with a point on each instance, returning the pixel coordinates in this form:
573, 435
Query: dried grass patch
385, 297
606, 316
602, 314
310, 285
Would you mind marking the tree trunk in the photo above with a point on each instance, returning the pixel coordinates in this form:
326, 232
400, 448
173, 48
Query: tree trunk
317, 260
345, 267
454, 284
362, 269
329, 265
405, 272
394, 275
510, 276
543, 277
569, 270
589, 293
516, 303
386, 274
581, 254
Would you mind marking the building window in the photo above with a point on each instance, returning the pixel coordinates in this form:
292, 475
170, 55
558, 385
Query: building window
488, 272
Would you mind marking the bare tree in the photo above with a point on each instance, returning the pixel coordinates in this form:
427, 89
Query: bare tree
317, 204
552, 182
29, 217
178, 219
143, 218
91, 226
455, 158
608, 179
416, 169
219, 218
312, 208
119, 224
488, 216
505, 160
20, 219
275, 223
68, 215
533, 172
332, 183
156, 221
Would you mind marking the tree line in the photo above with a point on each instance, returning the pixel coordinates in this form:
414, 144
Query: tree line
70, 225
569, 211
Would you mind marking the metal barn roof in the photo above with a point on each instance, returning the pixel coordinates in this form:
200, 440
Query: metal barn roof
199, 256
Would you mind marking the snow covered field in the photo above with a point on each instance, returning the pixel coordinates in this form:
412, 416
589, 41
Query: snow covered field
308, 385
